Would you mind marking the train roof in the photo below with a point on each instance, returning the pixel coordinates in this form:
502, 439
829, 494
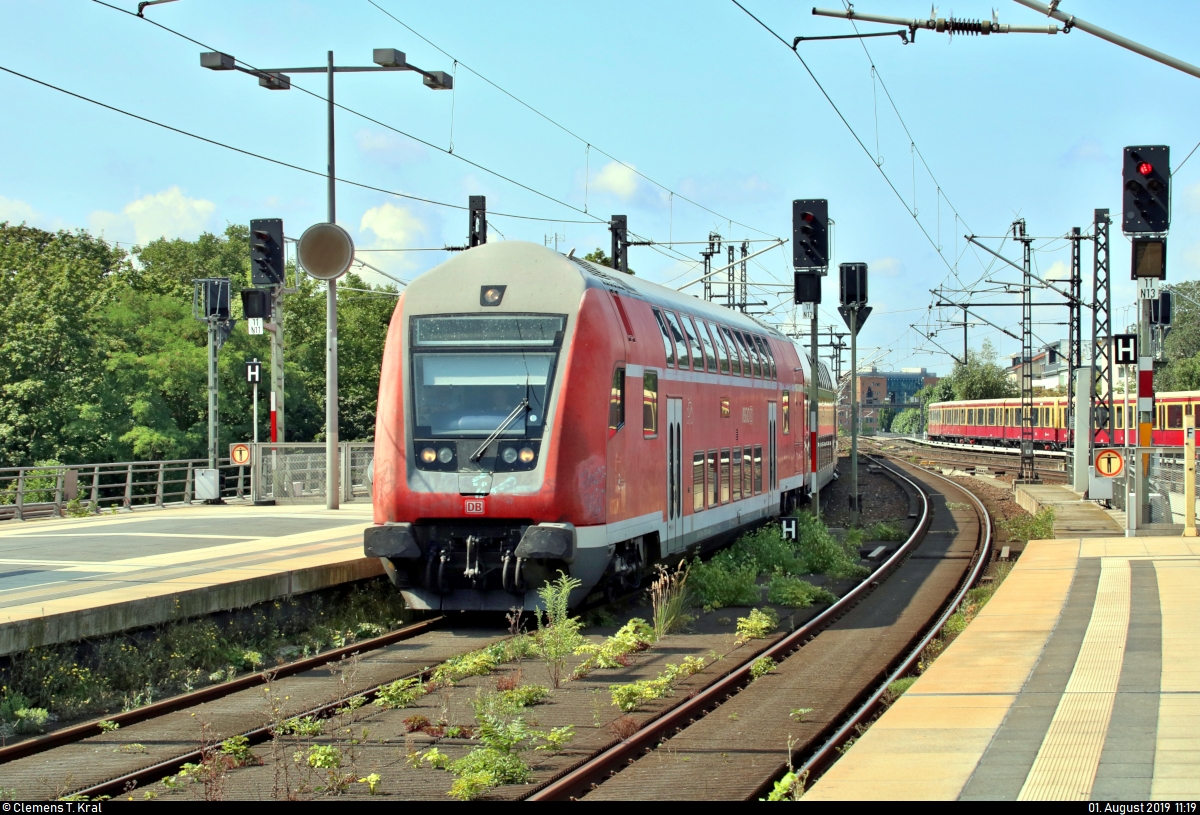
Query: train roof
512, 254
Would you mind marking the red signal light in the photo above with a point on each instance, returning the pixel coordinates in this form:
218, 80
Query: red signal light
808, 216
1145, 168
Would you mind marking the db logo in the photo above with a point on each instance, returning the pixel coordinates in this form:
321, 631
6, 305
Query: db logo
473, 506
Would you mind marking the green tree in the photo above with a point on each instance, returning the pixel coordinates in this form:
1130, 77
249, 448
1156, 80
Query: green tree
1181, 370
53, 290
886, 417
105, 361
982, 377
907, 421
599, 257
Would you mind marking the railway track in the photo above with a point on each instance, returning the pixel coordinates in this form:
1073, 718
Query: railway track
154, 742
733, 739
96, 759
992, 460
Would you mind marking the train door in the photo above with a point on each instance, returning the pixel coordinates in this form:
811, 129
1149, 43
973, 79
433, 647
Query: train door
674, 475
772, 468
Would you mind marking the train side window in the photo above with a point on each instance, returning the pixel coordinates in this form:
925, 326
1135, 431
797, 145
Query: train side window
698, 491
736, 479
616, 402
768, 356
758, 469
735, 355
714, 497
1120, 421
991, 417
668, 344
750, 352
710, 351
650, 404
970, 416
682, 355
756, 364
689, 328
722, 351
725, 476
748, 472
786, 407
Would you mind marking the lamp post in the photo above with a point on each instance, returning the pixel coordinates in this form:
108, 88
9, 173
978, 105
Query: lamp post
278, 79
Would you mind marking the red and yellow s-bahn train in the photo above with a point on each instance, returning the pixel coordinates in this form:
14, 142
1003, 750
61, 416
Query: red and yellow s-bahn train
540, 413
997, 421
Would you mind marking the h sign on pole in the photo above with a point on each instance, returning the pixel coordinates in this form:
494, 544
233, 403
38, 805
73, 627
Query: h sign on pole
1125, 349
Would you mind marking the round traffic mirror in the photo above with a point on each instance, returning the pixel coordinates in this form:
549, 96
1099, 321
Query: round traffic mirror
325, 251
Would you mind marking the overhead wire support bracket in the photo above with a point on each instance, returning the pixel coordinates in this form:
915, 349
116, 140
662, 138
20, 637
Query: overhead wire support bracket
1047, 284
901, 33
947, 25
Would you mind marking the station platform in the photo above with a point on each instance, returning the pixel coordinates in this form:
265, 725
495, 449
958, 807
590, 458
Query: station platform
1079, 680
1073, 516
69, 579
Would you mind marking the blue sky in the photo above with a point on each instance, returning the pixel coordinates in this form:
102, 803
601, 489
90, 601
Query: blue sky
694, 95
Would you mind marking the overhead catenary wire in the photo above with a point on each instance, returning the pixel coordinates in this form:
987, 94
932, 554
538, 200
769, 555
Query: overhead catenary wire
262, 157
431, 145
590, 145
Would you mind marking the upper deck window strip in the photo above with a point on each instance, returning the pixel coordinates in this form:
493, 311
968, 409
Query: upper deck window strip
668, 345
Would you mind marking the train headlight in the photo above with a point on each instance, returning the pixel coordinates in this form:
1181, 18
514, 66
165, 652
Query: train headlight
491, 295
445, 455
527, 455
509, 455
429, 455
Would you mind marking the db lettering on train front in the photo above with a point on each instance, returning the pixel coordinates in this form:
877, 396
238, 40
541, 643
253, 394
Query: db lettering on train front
474, 506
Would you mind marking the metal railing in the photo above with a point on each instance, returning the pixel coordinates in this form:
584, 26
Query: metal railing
295, 473
56, 490
1162, 506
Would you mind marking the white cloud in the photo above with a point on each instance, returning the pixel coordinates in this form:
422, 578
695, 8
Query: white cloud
617, 179
167, 214
1057, 271
389, 147
16, 212
888, 267
1191, 194
393, 227
1085, 150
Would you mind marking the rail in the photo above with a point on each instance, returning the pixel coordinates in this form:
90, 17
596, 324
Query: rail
826, 753
56, 490
576, 782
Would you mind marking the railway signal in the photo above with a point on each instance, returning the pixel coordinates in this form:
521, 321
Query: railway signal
810, 234
854, 311
1146, 196
266, 252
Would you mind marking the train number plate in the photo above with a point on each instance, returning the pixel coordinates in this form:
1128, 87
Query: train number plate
474, 506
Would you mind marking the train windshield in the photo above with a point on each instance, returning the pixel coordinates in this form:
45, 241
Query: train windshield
470, 372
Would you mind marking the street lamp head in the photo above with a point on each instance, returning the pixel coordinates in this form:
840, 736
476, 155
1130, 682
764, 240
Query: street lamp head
439, 81
275, 82
389, 58
216, 61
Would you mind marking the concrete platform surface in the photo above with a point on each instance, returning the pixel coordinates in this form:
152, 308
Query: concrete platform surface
1073, 517
1079, 680
62, 580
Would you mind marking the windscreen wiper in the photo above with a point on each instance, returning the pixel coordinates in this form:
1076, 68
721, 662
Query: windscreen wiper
495, 434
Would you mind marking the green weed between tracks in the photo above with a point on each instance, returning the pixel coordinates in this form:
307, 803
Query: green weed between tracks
1026, 528
730, 578
128, 671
